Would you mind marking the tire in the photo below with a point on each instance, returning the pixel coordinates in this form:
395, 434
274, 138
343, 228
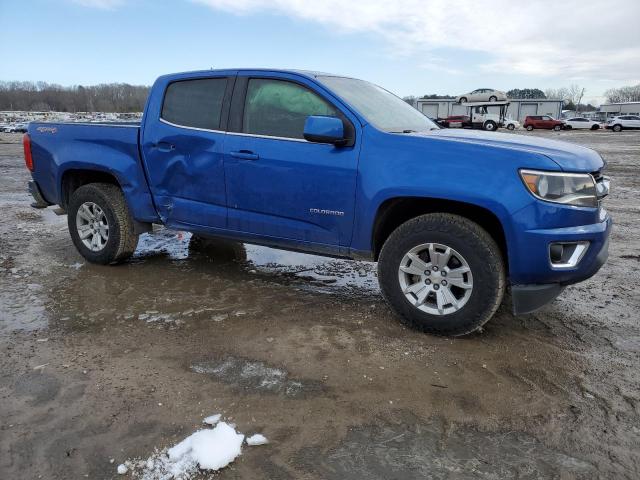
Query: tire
493, 98
595, 127
617, 128
511, 126
105, 203
529, 128
566, 127
462, 100
465, 239
557, 128
490, 126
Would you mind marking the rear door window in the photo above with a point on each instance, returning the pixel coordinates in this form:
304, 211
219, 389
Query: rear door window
195, 103
278, 108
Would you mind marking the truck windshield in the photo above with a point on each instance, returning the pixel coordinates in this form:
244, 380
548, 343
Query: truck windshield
381, 108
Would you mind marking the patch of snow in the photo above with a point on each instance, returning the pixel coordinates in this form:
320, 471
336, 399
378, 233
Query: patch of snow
122, 469
208, 449
257, 439
212, 419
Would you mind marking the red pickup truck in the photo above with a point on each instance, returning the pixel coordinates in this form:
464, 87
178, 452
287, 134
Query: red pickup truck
455, 121
542, 121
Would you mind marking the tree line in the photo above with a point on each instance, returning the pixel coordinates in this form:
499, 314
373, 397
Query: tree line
122, 97
43, 97
623, 94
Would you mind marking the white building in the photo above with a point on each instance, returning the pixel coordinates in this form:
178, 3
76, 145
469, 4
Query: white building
518, 108
615, 109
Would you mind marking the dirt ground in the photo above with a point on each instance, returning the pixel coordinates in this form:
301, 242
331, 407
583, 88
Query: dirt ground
109, 363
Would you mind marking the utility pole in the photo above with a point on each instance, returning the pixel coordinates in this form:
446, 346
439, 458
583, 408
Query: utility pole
579, 100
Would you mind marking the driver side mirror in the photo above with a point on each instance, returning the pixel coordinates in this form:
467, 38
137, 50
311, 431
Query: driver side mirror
322, 129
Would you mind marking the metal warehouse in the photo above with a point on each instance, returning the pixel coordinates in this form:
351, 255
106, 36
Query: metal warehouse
626, 108
518, 108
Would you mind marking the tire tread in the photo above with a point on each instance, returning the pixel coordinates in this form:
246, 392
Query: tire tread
127, 238
447, 223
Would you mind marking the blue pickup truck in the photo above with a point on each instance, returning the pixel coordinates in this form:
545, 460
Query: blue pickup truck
339, 167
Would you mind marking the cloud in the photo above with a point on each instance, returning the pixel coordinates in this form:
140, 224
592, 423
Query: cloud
103, 4
572, 38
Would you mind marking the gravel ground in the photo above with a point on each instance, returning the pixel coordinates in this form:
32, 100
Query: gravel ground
109, 363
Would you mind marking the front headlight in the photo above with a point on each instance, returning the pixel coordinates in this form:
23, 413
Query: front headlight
567, 188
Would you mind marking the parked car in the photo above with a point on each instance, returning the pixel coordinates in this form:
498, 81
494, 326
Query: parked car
510, 124
581, 123
623, 122
16, 128
482, 95
339, 167
455, 121
542, 121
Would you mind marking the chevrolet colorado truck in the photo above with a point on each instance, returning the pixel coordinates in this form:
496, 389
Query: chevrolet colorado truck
338, 167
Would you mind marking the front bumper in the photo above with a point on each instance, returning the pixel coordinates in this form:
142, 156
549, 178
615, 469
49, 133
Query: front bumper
528, 297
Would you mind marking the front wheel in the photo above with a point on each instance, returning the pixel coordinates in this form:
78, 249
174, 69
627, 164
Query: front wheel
511, 126
442, 273
557, 128
463, 100
566, 127
617, 128
529, 128
100, 224
595, 127
493, 98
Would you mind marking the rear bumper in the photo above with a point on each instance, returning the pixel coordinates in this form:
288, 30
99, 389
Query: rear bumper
35, 192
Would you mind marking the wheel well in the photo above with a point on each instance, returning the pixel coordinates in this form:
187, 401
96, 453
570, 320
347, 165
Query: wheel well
394, 212
74, 179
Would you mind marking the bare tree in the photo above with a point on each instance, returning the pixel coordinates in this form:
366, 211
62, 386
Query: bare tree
39, 96
623, 94
575, 93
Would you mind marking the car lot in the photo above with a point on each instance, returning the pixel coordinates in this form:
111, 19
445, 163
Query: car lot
105, 363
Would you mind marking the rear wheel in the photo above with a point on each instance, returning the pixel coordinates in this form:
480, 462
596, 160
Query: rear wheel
557, 128
490, 126
529, 127
442, 273
511, 126
100, 224
493, 98
617, 128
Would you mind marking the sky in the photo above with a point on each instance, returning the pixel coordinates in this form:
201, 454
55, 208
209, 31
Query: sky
410, 47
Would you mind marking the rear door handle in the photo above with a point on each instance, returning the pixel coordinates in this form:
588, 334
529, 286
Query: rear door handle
245, 155
164, 146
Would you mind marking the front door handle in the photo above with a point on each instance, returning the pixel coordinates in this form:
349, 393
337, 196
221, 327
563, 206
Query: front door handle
164, 146
245, 155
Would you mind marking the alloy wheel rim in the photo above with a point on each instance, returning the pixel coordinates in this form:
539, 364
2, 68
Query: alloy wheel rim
92, 226
435, 278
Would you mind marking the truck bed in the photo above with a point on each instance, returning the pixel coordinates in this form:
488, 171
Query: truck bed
110, 148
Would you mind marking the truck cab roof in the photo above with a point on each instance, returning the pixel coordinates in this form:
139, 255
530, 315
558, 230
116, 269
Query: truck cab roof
232, 71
